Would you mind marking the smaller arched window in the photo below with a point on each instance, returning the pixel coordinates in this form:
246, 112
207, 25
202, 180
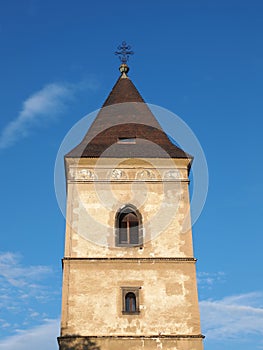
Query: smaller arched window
128, 227
130, 302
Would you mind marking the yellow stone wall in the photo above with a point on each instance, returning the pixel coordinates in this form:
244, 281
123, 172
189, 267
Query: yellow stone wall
131, 343
163, 203
163, 267
167, 297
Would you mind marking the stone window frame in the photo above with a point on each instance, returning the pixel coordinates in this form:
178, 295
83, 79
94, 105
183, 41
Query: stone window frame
135, 291
117, 228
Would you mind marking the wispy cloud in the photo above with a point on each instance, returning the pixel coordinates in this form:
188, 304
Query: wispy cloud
42, 106
40, 109
23, 292
17, 275
233, 317
208, 279
42, 337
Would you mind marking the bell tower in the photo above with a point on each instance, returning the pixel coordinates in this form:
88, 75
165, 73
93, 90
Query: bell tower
129, 278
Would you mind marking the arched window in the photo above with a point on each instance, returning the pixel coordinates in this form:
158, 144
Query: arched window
128, 227
130, 302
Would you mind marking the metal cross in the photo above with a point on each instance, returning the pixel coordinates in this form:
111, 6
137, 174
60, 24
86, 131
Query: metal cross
124, 52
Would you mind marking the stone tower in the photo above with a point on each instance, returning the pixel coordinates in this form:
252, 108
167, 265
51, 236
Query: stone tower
129, 279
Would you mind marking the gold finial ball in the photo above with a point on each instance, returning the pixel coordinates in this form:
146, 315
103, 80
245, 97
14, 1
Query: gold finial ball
124, 69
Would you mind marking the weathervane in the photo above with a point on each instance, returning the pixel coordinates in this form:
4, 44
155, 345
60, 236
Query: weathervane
124, 51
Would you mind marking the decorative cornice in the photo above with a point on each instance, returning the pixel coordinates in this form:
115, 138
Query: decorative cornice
128, 181
85, 174
150, 259
154, 336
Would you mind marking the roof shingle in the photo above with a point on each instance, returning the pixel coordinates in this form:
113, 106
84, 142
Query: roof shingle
124, 114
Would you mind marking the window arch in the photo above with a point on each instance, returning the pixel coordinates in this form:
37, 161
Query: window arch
128, 227
130, 302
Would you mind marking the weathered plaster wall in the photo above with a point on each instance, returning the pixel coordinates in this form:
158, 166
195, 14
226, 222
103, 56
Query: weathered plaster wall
167, 297
163, 203
163, 266
155, 343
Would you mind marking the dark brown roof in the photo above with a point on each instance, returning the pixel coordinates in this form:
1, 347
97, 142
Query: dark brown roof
124, 114
123, 91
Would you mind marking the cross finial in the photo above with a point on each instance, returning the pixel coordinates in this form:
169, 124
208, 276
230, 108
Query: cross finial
124, 51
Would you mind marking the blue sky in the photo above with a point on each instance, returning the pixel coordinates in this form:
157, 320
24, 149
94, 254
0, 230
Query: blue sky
200, 59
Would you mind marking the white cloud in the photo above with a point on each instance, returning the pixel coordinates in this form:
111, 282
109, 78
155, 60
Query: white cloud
208, 279
25, 291
42, 337
20, 276
40, 109
233, 317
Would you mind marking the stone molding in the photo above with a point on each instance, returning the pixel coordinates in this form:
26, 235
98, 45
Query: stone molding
136, 259
84, 174
154, 336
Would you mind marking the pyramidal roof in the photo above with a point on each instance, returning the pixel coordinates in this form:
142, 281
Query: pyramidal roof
123, 91
126, 128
